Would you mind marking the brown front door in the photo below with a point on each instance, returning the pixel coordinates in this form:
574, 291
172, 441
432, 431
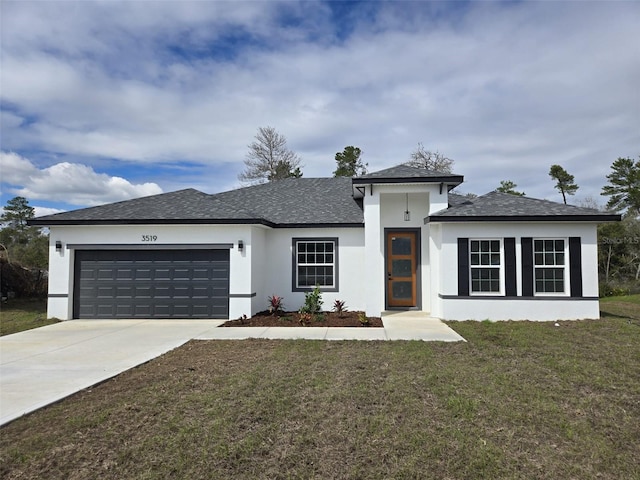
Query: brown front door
401, 269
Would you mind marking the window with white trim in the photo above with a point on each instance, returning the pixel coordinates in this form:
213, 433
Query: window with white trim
315, 263
549, 261
485, 262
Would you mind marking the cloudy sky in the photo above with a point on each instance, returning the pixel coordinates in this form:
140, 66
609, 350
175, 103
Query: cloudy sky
105, 101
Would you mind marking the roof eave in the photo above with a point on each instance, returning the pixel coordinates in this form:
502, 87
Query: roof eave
257, 221
523, 218
452, 180
320, 225
153, 221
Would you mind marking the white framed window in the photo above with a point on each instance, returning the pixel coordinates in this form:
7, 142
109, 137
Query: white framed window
550, 265
486, 266
315, 262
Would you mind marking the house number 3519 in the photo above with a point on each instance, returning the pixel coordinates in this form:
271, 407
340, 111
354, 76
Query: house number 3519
149, 238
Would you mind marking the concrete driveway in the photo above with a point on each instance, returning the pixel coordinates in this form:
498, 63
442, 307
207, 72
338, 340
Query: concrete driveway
44, 365
47, 364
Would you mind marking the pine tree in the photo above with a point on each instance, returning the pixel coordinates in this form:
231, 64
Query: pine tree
624, 186
349, 163
564, 181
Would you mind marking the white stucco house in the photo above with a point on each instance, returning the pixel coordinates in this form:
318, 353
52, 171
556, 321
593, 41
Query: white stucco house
393, 239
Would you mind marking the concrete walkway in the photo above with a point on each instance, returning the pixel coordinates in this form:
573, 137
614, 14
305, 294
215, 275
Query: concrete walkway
414, 325
41, 366
411, 325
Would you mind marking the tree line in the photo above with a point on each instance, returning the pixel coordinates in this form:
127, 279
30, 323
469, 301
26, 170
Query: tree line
618, 242
269, 159
24, 252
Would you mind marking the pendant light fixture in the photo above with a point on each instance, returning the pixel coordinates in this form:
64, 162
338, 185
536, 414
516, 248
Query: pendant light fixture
407, 214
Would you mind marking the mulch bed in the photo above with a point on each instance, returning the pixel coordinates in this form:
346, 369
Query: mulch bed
293, 319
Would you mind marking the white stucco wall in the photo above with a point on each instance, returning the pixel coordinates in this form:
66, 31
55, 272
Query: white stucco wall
60, 303
258, 268
436, 266
263, 268
373, 255
279, 267
561, 307
384, 208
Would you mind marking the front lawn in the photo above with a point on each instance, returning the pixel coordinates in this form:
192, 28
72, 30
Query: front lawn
625, 306
17, 315
519, 400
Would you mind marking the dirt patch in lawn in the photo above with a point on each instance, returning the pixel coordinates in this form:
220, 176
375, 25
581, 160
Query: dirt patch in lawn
296, 319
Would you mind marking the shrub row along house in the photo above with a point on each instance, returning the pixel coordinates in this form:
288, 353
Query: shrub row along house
393, 239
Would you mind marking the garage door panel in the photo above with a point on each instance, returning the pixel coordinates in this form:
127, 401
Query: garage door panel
161, 274
104, 310
125, 274
217, 312
105, 291
182, 311
142, 292
201, 291
123, 311
151, 284
124, 292
199, 273
143, 274
183, 274
200, 310
89, 273
142, 310
162, 291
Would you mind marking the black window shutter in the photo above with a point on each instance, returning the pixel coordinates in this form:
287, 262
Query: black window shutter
463, 267
510, 281
575, 266
527, 266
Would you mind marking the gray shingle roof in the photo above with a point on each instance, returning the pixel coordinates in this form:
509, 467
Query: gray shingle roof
406, 174
173, 207
300, 201
496, 206
289, 202
457, 199
311, 202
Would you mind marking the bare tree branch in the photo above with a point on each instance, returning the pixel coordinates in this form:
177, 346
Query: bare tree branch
436, 161
269, 158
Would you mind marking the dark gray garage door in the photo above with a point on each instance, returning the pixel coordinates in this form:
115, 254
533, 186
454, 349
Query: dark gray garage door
151, 284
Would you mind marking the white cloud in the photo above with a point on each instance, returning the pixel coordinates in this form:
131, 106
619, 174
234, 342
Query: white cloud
504, 89
42, 211
71, 183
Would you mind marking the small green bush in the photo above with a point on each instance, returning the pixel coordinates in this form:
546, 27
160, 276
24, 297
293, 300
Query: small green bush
312, 301
364, 320
613, 290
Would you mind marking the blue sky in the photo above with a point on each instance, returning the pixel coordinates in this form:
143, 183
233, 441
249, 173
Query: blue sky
105, 101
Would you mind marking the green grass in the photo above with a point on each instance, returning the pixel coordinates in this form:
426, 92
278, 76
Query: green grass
520, 400
17, 315
625, 306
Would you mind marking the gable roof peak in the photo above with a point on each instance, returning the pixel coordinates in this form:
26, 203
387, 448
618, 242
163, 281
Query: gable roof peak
404, 173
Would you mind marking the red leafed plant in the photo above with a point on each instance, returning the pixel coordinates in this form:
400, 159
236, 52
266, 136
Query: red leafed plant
275, 304
339, 307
